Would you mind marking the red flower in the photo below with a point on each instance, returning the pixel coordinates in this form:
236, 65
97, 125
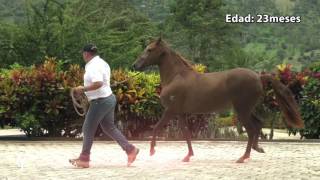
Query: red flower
316, 75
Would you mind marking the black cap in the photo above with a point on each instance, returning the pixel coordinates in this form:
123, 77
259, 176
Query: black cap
90, 48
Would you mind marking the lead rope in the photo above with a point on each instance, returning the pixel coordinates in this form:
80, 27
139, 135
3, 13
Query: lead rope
80, 102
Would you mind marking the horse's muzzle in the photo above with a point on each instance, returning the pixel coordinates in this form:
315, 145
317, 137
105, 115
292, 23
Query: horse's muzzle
137, 66
134, 67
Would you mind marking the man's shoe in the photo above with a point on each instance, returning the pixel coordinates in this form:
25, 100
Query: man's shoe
132, 156
79, 163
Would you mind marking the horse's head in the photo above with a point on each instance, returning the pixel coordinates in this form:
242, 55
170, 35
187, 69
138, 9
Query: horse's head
151, 55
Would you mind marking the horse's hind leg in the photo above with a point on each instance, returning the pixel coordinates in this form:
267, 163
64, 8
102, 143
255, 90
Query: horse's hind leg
187, 134
258, 126
250, 131
253, 127
244, 115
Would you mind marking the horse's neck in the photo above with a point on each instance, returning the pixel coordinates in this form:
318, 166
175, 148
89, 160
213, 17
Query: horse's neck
170, 67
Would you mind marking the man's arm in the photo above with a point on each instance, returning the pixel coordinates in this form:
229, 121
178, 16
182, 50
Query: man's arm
94, 86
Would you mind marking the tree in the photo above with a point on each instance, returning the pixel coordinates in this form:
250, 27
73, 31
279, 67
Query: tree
39, 36
60, 28
116, 27
197, 28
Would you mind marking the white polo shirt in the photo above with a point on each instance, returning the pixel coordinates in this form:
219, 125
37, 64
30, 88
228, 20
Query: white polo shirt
97, 70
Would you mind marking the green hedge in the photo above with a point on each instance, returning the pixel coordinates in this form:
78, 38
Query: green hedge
310, 105
37, 99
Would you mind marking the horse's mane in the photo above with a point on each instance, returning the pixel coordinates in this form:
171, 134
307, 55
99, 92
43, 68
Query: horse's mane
183, 60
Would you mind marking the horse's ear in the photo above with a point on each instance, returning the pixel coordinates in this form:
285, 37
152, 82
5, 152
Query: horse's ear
143, 43
159, 40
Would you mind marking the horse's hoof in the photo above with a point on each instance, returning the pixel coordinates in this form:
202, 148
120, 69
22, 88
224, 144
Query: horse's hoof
242, 159
186, 159
152, 151
260, 150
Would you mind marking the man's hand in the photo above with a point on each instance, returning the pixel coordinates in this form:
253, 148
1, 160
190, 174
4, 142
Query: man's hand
78, 90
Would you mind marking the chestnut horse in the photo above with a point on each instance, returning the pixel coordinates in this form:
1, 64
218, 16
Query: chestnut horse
186, 91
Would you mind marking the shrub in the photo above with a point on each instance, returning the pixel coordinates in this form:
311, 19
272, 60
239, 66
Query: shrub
37, 99
310, 105
295, 81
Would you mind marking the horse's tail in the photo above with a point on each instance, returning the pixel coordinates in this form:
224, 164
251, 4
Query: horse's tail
286, 101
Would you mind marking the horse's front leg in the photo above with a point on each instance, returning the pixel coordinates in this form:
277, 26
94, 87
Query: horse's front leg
182, 120
166, 116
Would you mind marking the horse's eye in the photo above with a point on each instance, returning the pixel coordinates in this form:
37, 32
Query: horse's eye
149, 50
